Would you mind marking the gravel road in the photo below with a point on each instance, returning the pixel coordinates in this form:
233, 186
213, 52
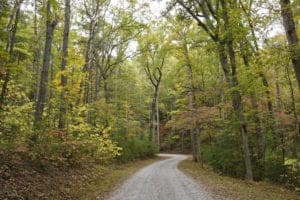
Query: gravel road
161, 181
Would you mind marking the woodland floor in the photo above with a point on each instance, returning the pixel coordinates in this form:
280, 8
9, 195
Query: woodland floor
27, 181
222, 187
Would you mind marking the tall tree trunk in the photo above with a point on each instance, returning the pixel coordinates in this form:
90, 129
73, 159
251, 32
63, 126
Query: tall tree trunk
261, 74
63, 102
296, 137
258, 126
236, 96
224, 61
238, 107
153, 116
155, 81
88, 62
195, 130
273, 126
157, 120
279, 103
198, 145
36, 55
40, 104
105, 87
291, 34
182, 141
12, 30
232, 81
97, 81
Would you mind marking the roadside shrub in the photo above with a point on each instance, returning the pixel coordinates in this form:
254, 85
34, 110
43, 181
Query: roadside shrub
74, 147
135, 148
274, 169
224, 158
15, 124
287, 173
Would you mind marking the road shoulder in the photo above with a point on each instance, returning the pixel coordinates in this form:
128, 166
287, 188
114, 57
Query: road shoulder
222, 187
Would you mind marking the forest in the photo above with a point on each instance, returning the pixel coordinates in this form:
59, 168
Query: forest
108, 81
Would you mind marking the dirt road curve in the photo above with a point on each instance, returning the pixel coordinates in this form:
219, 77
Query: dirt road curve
161, 181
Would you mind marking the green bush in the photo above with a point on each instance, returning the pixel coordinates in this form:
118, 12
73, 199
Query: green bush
74, 147
224, 158
135, 148
274, 169
287, 173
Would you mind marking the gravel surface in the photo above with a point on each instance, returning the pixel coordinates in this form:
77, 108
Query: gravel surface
161, 181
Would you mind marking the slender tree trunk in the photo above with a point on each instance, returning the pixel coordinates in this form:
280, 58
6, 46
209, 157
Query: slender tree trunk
236, 101
279, 103
153, 116
236, 96
195, 130
278, 135
256, 51
40, 104
157, 120
155, 81
63, 102
296, 137
12, 30
36, 55
86, 85
198, 145
88, 62
291, 34
150, 123
258, 126
106, 92
224, 61
97, 81
238, 107
182, 140
12, 26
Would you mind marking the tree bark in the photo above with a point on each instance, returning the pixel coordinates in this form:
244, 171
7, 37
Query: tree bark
63, 81
157, 120
224, 60
88, 62
292, 37
256, 51
194, 130
92, 13
153, 128
155, 80
261, 141
238, 107
36, 55
296, 137
105, 87
40, 104
279, 103
12, 30
97, 80
236, 96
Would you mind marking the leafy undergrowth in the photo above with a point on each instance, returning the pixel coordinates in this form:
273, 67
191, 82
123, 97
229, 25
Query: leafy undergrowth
90, 181
223, 187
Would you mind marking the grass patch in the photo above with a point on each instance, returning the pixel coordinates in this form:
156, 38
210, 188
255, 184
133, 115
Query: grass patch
223, 187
